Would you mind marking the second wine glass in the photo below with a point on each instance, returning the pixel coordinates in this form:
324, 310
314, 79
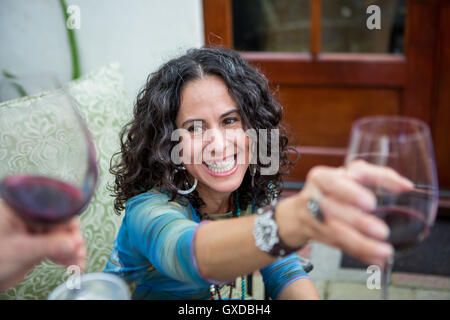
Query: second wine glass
403, 144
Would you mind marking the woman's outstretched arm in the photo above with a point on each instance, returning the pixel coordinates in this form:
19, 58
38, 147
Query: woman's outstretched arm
226, 249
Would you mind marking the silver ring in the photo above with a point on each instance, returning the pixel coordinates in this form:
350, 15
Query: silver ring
314, 208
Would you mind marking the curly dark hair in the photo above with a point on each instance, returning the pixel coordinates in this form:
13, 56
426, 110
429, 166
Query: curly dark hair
146, 143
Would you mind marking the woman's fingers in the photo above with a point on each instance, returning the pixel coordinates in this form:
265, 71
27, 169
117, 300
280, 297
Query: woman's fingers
353, 231
357, 245
60, 246
354, 217
345, 202
378, 176
336, 184
340, 234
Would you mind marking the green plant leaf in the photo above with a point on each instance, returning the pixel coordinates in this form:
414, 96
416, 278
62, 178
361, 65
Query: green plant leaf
76, 71
20, 90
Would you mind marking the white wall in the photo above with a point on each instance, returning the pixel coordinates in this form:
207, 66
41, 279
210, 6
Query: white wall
140, 34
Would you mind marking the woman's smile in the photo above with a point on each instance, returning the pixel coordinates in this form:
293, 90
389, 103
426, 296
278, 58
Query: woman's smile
223, 168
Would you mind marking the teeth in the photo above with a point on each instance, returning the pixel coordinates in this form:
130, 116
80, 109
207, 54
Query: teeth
221, 166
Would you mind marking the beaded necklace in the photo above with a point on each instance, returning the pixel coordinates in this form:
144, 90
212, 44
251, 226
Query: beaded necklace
215, 288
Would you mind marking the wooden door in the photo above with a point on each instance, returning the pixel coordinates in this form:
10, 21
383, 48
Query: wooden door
324, 92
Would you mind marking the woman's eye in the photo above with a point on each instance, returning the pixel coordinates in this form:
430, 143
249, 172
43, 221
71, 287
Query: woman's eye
230, 120
195, 129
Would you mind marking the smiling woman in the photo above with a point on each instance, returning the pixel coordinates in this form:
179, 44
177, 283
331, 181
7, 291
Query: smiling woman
189, 228
211, 94
212, 161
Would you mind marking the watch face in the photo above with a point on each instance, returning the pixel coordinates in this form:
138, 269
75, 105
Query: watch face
265, 232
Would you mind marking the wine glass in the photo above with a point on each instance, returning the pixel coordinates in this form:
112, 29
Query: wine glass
92, 286
49, 169
403, 144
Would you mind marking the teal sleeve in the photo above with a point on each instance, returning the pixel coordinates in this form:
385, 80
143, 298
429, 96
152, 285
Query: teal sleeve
161, 231
281, 273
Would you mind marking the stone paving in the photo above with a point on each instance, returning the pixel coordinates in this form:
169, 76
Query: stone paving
336, 283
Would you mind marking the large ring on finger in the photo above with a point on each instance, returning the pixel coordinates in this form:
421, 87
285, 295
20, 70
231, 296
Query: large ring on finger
314, 207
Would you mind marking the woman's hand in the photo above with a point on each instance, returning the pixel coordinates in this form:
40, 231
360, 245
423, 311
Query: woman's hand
345, 205
21, 249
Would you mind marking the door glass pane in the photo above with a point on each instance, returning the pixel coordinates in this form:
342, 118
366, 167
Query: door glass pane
345, 26
271, 25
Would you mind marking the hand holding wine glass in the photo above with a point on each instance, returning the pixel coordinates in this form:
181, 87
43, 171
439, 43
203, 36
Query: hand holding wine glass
345, 205
47, 178
403, 146
384, 198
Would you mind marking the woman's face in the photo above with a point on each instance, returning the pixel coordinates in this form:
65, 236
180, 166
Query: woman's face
214, 144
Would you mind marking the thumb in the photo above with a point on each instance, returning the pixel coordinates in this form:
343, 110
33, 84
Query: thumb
47, 246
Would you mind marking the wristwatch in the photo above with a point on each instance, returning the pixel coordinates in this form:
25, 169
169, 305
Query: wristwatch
265, 232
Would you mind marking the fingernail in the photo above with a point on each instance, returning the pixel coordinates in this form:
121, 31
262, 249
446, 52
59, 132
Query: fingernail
384, 250
379, 230
409, 183
368, 202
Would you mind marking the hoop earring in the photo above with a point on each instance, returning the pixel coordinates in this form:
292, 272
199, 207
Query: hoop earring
186, 183
184, 192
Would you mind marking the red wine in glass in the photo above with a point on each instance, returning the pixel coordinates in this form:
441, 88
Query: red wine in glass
407, 226
403, 213
41, 199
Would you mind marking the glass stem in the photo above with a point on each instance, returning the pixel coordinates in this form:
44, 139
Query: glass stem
386, 277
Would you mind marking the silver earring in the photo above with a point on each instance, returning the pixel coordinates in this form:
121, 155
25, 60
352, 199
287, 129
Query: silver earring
186, 184
184, 192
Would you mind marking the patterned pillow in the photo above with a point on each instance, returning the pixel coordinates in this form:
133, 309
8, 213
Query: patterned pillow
103, 102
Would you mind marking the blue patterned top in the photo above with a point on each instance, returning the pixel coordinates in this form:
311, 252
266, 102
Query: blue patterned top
154, 252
